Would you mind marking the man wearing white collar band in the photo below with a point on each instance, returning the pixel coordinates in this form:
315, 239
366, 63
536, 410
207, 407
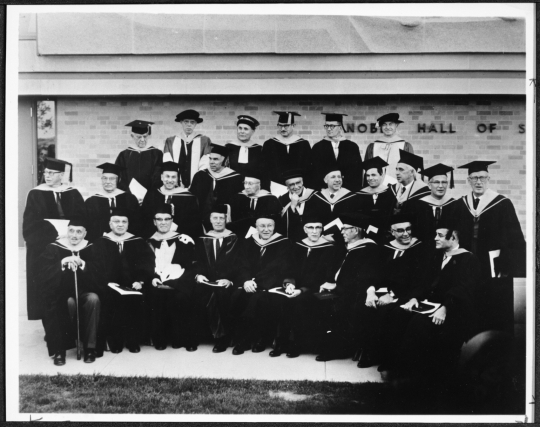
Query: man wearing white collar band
140, 162
185, 207
58, 265
46, 204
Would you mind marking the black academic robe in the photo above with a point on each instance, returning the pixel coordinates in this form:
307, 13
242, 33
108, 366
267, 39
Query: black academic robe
291, 225
56, 286
377, 205
428, 218
349, 162
185, 164
99, 208
279, 158
211, 191
242, 215
226, 264
144, 166
38, 233
255, 162
412, 195
319, 205
186, 212
314, 265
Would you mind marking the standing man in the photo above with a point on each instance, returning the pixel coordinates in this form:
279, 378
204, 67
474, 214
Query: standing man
188, 149
409, 188
337, 153
294, 202
388, 146
286, 150
100, 205
217, 184
52, 200
138, 161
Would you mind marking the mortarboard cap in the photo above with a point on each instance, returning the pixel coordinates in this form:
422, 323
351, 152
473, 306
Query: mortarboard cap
111, 168
355, 220
219, 149
311, 219
120, 212
400, 218
265, 215
334, 117
477, 166
164, 208
292, 173
414, 161
286, 117
188, 115
59, 166
374, 163
440, 169
390, 117
77, 221
219, 208
247, 120
169, 167
330, 167
253, 173
140, 127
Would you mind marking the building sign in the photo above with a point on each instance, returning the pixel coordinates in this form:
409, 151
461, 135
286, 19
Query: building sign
424, 128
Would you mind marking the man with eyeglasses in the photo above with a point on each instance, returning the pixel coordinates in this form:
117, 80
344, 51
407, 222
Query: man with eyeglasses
246, 205
184, 204
286, 150
50, 201
139, 161
490, 229
337, 153
189, 149
171, 294
409, 188
123, 263
217, 184
100, 205
294, 203
265, 263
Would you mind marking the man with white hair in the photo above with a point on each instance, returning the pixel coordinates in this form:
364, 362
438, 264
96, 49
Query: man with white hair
409, 188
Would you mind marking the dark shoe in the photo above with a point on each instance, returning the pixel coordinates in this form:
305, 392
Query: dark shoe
191, 348
237, 350
222, 344
293, 352
89, 356
160, 347
326, 357
176, 345
279, 350
259, 347
60, 358
116, 350
382, 367
356, 356
366, 360
323, 358
134, 348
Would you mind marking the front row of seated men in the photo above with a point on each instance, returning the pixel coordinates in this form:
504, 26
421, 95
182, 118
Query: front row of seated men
315, 295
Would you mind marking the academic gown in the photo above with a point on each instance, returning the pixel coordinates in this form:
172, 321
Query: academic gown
214, 302
328, 208
429, 213
242, 215
186, 211
378, 206
143, 165
196, 148
406, 202
389, 152
292, 226
126, 263
98, 208
57, 285
349, 162
255, 161
280, 157
211, 189
172, 309
38, 233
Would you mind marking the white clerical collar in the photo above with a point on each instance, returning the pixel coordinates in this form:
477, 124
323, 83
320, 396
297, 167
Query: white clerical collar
67, 244
121, 238
216, 235
169, 235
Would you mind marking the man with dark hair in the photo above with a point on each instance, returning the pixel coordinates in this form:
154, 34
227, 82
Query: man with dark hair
409, 188
188, 150
217, 268
45, 204
171, 294
376, 200
124, 264
58, 265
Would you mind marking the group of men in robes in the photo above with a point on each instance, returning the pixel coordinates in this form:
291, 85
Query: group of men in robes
344, 263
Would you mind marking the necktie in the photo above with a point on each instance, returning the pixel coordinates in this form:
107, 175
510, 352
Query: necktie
437, 215
263, 250
182, 162
252, 204
218, 247
112, 201
475, 203
402, 191
331, 196
59, 205
120, 247
445, 261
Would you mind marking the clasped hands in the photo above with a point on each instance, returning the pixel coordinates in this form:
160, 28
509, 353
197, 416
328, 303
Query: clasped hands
221, 282
72, 262
438, 317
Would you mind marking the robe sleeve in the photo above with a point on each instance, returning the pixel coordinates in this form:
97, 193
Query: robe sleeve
513, 248
157, 159
36, 231
50, 272
274, 272
123, 183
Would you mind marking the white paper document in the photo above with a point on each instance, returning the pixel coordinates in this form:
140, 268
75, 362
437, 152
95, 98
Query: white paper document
170, 272
123, 291
137, 189
277, 189
337, 222
61, 226
251, 232
372, 229
493, 255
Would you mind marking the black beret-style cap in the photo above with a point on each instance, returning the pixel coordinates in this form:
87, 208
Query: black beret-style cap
120, 212
140, 127
219, 208
248, 120
219, 149
397, 219
164, 208
111, 168
265, 215
374, 163
292, 173
334, 117
390, 117
78, 221
440, 169
59, 166
286, 117
477, 166
169, 167
414, 161
312, 219
355, 220
253, 173
189, 115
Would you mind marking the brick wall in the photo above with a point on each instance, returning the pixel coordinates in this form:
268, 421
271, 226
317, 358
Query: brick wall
91, 131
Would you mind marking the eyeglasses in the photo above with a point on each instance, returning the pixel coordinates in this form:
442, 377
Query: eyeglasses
331, 127
311, 228
402, 230
140, 137
50, 172
251, 183
119, 222
347, 228
437, 183
104, 179
163, 219
476, 178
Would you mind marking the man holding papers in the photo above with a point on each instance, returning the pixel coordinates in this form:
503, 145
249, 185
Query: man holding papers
217, 259
48, 209
171, 293
428, 344
124, 266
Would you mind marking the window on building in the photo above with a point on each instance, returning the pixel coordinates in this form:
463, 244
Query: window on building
46, 134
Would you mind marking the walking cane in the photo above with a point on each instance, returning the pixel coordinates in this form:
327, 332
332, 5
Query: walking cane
77, 308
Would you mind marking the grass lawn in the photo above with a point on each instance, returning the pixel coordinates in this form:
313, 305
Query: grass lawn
143, 395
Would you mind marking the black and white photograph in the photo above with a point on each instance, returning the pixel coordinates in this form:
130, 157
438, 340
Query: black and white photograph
271, 212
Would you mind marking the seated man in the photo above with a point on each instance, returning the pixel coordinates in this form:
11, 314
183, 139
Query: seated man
403, 272
122, 260
425, 344
313, 260
294, 202
185, 207
171, 293
265, 262
358, 270
217, 262
59, 264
